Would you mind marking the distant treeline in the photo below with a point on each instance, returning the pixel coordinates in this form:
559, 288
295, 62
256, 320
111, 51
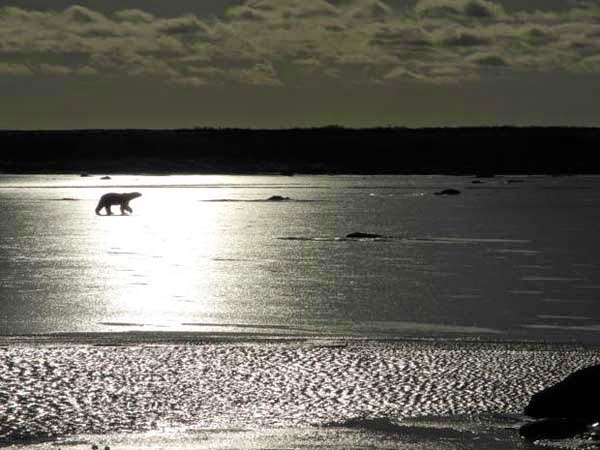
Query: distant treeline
318, 150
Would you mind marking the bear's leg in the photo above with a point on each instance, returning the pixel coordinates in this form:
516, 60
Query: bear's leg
108, 211
126, 208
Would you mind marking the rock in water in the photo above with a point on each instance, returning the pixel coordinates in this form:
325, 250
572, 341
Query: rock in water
277, 198
448, 192
359, 235
577, 396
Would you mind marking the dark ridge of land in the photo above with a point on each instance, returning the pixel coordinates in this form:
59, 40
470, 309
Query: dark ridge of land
328, 150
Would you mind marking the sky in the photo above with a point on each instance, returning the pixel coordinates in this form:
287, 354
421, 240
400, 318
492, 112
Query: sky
298, 63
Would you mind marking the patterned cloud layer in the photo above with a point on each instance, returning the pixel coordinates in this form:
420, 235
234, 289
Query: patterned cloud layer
298, 42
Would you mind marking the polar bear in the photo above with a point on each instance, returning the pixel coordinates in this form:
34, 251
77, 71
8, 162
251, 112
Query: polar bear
107, 200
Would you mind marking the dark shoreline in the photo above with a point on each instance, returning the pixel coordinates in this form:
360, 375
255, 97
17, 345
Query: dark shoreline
135, 338
329, 150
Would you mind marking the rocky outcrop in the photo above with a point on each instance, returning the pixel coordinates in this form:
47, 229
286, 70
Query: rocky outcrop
577, 396
278, 198
566, 409
553, 429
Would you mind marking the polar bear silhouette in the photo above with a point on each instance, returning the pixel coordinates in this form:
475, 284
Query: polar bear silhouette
110, 199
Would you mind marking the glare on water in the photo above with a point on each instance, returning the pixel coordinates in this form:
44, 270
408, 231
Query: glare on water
209, 254
490, 268
156, 263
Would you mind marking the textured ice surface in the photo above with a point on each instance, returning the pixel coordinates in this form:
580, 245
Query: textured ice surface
485, 262
51, 390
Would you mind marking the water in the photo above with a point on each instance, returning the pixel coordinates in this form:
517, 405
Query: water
212, 318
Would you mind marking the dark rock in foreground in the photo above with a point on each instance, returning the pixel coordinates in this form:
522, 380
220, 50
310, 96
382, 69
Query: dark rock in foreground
577, 396
448, 192
359, 235
566, 409
106, 178
553, 429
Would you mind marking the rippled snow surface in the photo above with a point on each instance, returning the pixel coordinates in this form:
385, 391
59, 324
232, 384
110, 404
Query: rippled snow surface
49, 390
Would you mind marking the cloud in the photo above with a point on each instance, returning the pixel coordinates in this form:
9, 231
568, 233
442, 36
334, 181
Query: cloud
464, 39
304, 9
83, 16
402, 36
185, 25
134, 15
370, 9
478, 9
261, 74
190, 81
86, 71
401, 73
14, 69
273, 43
53, 69
590, 64
488, 59
244, 13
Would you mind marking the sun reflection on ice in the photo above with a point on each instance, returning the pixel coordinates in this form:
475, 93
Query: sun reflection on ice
156, 263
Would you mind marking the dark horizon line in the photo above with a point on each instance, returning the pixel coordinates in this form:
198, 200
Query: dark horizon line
332, 149
307, 128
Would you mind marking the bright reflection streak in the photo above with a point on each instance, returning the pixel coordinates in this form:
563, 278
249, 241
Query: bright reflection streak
157, 262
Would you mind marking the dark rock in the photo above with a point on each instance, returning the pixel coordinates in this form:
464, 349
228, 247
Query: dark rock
553, 429
277, 198
577, 396
448, 192
106, 178
84, 175
512, 181
359, 235
477, 182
